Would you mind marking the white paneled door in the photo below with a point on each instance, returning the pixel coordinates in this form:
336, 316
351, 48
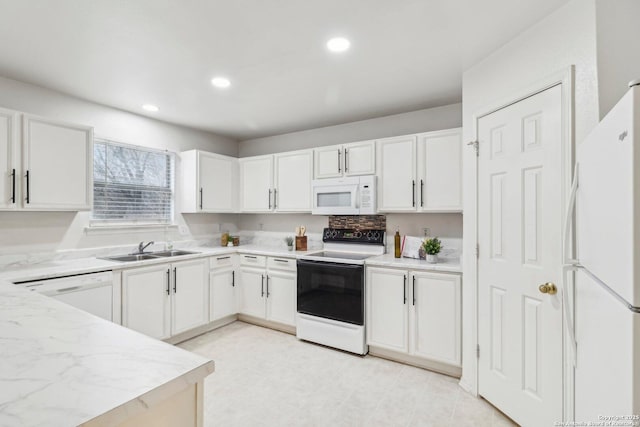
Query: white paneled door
519, 236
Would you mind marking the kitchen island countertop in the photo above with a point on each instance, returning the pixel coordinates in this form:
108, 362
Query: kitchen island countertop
61, 366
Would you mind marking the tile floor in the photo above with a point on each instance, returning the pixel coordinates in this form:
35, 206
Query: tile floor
268, 378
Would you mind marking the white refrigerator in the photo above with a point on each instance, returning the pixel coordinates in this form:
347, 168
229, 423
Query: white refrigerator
606, 323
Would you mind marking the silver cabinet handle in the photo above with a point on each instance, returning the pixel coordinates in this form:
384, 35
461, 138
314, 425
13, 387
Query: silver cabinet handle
223, 257
281, 260
200, 198
267, 286
233, 278
275, 198
269, 198
413, 192
421, 193
339, 154
175, 280
413, 292
262, 287
346, 163
168, 281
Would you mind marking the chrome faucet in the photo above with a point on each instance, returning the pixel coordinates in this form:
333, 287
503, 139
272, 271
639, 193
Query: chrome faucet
142, 246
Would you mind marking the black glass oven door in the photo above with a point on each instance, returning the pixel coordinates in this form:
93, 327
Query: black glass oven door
331, 290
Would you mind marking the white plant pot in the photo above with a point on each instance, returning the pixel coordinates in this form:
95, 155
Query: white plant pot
290, 247
432, 259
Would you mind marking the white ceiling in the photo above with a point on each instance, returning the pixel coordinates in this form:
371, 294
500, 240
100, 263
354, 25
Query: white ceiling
405, 55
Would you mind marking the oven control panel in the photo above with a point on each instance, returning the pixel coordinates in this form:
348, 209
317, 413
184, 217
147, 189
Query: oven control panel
354, 236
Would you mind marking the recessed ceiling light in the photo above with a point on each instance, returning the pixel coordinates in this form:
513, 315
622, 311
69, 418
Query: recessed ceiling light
220, 82
338, 44
150, 107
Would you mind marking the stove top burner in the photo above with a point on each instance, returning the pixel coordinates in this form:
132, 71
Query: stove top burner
341, 255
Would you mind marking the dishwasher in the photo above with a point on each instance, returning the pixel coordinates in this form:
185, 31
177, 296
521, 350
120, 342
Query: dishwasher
91, 292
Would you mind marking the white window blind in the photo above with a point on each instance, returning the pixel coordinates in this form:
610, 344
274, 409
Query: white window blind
131, 184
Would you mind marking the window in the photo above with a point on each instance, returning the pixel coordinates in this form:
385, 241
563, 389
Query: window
131, 184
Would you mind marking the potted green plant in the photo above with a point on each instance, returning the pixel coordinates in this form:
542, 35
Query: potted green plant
432, 248
289, 241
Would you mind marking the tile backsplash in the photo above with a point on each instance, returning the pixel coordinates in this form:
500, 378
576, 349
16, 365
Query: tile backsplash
358, 222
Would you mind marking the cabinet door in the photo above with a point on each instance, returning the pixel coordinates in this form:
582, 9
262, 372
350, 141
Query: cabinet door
292, 186
387, 308
256, 178
58, 159
190, 295
252, 289
281, 297
440, 171
396, 159
435, 317
9, 174
328, 162
146, 300
222, 291
360, 158
218, 188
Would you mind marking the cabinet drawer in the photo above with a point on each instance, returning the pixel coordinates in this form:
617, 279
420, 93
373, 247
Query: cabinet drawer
221, 261
255, 260
278, 263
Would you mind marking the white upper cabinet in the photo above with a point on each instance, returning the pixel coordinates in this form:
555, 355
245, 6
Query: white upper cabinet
334, 161
440, 171
57, 165
279, 182
209, 182
328, 161
256, 184
360, 158
420, 173
292, 186
396, 159
9, 170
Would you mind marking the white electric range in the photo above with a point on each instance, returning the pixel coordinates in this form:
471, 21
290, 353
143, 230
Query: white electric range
331, 289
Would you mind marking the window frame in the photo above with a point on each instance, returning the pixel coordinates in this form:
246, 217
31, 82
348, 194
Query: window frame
97, 223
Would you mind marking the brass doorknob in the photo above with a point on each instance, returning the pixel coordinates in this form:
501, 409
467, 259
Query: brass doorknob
548, 288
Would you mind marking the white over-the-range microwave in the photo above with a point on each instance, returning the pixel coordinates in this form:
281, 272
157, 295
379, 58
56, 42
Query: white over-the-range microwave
354, 195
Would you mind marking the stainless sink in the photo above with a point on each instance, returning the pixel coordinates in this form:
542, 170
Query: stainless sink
173, 253
150, 255
130, 258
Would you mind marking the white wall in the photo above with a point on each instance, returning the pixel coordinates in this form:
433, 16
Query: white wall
566, 37
442, 225
50, 231
446, 117
618, 34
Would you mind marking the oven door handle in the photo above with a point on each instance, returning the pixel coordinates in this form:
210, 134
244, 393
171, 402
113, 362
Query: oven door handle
315, 264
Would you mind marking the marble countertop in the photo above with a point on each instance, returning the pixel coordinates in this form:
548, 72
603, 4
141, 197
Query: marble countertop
60, 366
451, 265
57, 268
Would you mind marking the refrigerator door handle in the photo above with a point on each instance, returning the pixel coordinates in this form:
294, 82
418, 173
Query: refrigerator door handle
569, 323
568, 221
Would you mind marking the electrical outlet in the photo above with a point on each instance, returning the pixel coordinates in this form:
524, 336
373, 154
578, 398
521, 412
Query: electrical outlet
260, 226
184, 230
426, 231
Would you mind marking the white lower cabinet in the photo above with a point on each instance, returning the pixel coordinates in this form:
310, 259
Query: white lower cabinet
281, 297
269, 292
415, 312
167, 299
222, 293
